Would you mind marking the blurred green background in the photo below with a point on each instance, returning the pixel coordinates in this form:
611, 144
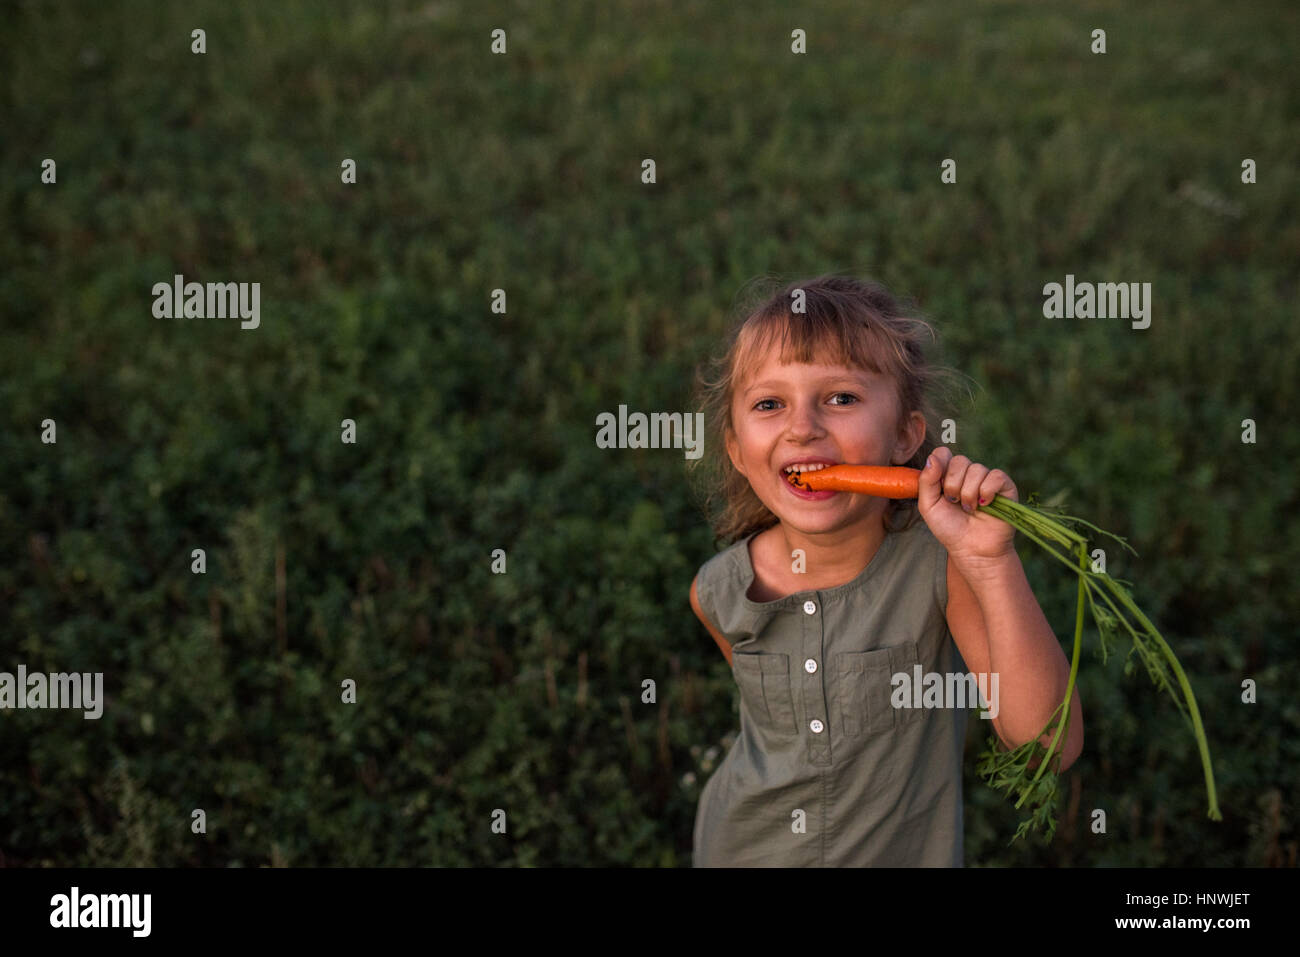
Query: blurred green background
475, 431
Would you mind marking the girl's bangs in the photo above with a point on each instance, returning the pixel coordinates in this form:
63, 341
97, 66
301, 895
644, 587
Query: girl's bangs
808, 339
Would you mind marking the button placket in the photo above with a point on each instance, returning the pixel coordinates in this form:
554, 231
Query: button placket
814, 696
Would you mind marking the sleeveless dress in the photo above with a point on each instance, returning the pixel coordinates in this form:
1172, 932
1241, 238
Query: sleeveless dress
826, 772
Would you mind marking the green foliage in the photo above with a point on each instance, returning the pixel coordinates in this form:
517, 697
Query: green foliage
476, 430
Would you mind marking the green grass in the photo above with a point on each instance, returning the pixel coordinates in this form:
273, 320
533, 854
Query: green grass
476, 430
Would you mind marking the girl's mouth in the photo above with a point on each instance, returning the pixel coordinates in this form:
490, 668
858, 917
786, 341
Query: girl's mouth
794, 483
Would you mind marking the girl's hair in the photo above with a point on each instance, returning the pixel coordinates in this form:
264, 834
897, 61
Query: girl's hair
846, 320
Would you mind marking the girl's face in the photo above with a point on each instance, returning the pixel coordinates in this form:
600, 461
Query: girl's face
787, 414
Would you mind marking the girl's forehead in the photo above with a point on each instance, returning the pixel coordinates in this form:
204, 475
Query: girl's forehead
778, 351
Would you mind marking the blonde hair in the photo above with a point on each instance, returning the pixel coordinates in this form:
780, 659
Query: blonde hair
852, 321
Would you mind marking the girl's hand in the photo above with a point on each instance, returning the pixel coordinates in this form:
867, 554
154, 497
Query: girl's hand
951, 488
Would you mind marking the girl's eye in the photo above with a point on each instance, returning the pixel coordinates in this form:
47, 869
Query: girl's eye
845, 395
759, 405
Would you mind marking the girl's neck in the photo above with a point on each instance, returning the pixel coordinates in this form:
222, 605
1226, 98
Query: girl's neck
829, 560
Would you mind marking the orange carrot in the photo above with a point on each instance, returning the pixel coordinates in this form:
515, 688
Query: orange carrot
882, 481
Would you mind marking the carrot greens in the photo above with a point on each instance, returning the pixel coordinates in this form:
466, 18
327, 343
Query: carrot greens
1030, 772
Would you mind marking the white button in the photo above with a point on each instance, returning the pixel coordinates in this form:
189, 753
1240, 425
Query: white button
816, 726
810, 607
810, 666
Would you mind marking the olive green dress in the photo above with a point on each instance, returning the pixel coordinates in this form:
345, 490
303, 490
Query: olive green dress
825, 771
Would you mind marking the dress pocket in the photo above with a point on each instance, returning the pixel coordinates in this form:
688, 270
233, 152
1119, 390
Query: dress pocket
864, 688
764, 682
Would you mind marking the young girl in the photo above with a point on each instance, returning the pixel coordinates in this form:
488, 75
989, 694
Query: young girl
823, 597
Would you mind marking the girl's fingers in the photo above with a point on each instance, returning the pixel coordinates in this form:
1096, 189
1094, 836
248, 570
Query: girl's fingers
976, 475
954, 477
997, 482
929, 489
962, 482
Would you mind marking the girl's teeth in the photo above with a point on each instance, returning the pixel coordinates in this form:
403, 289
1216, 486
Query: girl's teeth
806, 468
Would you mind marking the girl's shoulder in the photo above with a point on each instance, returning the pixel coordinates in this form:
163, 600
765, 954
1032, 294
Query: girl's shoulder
726, 564
720, 585
922, 557
920, 535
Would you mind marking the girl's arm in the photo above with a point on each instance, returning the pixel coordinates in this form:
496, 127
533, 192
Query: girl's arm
992, 612
1020, 648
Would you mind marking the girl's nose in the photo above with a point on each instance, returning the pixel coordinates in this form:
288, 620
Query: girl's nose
805, 422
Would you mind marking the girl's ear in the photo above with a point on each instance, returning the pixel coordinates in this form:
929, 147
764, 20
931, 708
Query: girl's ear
733, 450
911, 436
